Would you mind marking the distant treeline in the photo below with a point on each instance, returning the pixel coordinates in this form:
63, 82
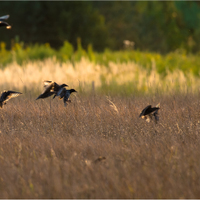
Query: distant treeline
160, 26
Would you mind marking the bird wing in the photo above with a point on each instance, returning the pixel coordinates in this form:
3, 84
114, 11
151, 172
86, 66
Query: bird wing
144, 110
48, 86
56, 87
154, 109
52, 86
45, 95
47, 83
2, 23
4, 17
11, 94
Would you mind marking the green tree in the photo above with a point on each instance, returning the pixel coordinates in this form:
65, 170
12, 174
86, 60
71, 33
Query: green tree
55, 22
160, 26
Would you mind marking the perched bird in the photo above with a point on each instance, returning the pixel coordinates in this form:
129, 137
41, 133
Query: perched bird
63, 93
50, 89
6, 95
2, 23
149, 112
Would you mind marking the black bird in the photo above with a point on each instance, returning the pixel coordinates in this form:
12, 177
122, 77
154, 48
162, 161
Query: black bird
149, 112
50, 89
54, 87
2, 23
7, 95
63, 93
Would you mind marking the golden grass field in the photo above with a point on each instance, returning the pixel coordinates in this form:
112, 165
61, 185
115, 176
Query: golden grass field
49, 151
81, 75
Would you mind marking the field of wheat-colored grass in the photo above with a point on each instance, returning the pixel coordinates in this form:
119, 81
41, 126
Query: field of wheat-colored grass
51, 151
48, 151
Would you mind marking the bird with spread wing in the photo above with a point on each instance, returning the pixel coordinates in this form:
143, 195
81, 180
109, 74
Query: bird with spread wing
148, 113
64, 94
7, 95
50, 89
3, 23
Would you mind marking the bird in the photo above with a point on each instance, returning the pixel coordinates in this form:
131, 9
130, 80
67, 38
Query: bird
7, 95
50, 89
64, 94
54, 87
149, 112
2, 23
99, 159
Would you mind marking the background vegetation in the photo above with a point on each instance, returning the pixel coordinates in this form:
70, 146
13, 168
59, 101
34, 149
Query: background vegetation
160, 26
51, 151
115, 72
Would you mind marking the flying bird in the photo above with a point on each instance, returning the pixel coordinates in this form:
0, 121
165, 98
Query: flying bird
2, 23
7, 95
64, 94
50, 89
150, 112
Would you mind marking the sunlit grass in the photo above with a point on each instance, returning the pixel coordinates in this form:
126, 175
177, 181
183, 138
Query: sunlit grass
50, 152
116, 78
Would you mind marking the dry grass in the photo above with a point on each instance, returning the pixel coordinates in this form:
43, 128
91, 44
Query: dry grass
49, 152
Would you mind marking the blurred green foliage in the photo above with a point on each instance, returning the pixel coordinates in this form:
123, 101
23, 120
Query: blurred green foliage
159, 26
66, 52
5, 56
178, 59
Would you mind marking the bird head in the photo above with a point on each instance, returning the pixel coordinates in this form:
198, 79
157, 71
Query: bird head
72, 90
